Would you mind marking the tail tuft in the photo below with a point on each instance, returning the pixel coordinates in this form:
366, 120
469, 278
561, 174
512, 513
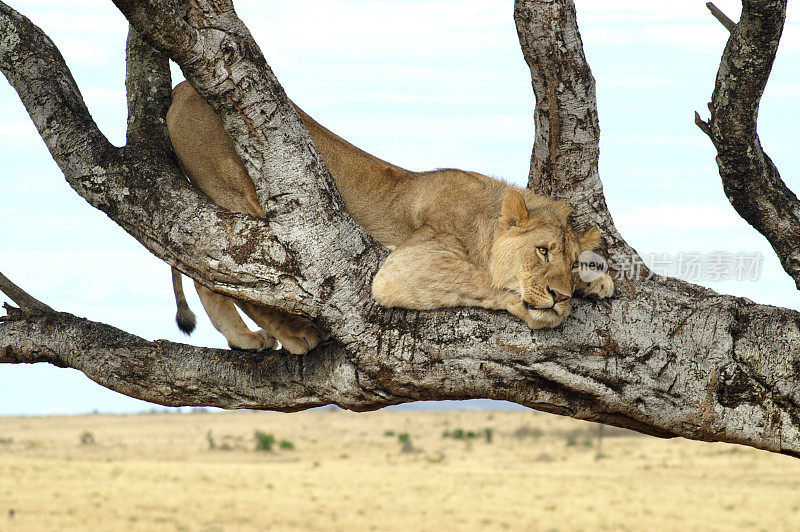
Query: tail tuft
186, 320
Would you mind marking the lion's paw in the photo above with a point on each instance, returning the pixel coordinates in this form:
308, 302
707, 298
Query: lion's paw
600, 288
301, 340
269, 341
253, 341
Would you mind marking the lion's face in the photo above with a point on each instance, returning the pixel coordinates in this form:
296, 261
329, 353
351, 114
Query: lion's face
534, 253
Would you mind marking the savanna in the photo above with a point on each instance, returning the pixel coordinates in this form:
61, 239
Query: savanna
390, 470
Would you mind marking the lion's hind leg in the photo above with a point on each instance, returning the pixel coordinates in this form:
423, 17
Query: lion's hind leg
429, 271
226, 319
297, 334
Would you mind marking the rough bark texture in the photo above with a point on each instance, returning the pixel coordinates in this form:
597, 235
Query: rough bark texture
199, 376
750, 179
566, 147
664, 357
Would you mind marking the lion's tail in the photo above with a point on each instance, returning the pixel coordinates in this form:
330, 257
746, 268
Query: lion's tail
185, 318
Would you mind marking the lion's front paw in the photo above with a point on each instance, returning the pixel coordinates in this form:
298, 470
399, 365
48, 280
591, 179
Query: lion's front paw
600, 288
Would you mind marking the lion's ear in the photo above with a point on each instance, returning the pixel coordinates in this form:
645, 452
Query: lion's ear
514, 211
590, 239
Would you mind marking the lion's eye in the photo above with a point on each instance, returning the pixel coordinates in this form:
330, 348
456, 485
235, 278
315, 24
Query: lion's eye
543, 251
575, 265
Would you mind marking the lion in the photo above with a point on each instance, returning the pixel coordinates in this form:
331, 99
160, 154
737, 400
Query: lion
456, 238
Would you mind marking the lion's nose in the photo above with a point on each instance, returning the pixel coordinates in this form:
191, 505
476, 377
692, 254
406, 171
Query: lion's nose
558, 297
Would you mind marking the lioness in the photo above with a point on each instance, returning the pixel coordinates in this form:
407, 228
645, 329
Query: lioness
457, 238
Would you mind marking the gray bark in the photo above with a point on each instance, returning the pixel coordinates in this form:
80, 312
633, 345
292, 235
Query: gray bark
663, 357
751, 181
566, 147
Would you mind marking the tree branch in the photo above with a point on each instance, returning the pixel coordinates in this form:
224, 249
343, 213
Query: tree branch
219, 57
174, 374
144, 191
750, 179
566, 148
148, 85
721, 17
677, 378
21, 297
60, 116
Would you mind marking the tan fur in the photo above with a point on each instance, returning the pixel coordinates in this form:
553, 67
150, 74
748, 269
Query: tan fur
458, 238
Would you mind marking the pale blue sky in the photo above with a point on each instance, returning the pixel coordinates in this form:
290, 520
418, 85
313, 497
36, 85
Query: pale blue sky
423, 84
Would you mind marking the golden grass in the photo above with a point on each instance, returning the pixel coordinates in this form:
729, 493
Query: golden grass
347, 472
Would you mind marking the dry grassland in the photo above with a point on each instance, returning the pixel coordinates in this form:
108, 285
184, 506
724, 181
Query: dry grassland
350, 471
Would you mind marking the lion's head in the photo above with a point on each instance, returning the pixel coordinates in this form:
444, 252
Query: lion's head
534, 253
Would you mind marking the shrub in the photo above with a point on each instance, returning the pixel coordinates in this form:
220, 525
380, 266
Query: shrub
264, 441
526, 431
405, 442
286, 445
578, 437
87, 438
461, 434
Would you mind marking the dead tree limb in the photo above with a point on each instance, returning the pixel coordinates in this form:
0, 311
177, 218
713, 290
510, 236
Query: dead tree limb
751, 181
664, 357
721, 17
21, 297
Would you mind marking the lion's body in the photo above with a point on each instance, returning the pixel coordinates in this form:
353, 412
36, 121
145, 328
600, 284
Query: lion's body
457, 238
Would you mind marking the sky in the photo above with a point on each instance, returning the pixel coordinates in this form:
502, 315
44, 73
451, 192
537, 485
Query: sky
423, 84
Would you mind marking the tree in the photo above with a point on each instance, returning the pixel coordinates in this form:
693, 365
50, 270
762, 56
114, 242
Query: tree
664, 357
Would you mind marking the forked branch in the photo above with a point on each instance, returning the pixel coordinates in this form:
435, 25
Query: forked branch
21, 297
751, 181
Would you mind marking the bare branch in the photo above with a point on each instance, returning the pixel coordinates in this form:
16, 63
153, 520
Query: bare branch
21, 297
750, 179
168, 22
703, 125
61, 117
144, 191
174, 374
222, 61
721, 17
149, 84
